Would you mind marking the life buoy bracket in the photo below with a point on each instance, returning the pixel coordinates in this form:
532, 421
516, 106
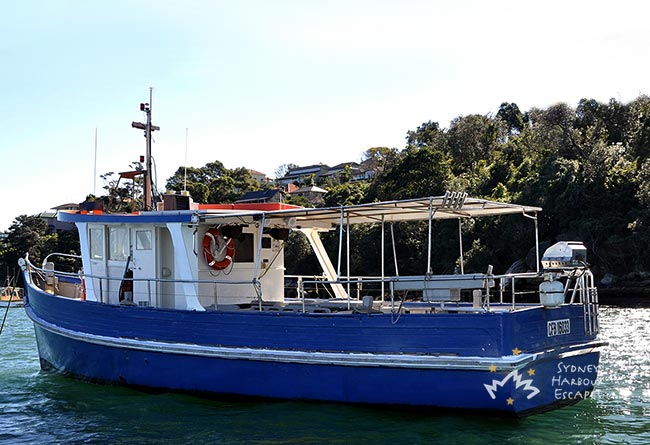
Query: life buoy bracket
217, 250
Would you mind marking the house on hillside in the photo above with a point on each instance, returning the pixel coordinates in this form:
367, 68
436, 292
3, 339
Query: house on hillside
53, 224
260, 196
354, 170
320, 173
300, 175
258, 176
312, 193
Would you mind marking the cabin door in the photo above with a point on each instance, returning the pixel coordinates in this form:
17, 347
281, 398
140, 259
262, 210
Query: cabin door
98, 268
143, 266
166, 287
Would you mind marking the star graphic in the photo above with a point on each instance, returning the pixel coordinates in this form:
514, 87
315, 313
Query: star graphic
516, 351
510, 401
493, 368
531, 372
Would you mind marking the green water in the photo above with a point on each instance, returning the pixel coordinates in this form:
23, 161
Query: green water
38, 407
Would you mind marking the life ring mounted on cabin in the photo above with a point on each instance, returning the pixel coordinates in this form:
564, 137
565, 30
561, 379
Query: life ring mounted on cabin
217, 251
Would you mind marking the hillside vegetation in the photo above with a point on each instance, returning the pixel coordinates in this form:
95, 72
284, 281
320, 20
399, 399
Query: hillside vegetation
588, 167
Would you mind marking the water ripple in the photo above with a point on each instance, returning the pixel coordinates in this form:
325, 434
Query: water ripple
39, 407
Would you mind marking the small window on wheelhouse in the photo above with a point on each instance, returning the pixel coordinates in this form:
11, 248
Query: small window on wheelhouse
143, 239
96, 244
118, 246
244, 248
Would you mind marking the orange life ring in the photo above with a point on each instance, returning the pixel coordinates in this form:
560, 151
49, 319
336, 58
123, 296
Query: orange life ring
218, 252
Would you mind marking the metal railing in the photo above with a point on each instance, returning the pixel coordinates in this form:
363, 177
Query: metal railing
506, 290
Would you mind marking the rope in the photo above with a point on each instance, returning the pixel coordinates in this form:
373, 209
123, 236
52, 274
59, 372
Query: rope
4, 318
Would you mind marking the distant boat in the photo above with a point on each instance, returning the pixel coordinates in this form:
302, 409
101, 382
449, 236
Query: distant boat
11, 296
194, 298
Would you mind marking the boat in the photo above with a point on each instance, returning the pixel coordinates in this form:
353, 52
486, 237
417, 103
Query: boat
10, 295
191, 297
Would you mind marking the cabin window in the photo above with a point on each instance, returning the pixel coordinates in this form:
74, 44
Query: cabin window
143, 239
96, 244
118, 244
244, 248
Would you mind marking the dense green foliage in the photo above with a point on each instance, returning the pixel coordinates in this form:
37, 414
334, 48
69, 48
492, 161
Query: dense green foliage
213, 183
31, 235
588, 167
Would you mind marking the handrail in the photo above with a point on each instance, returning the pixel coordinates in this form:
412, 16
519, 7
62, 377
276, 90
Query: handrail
578, 285
121, 278
65, 255
315, 279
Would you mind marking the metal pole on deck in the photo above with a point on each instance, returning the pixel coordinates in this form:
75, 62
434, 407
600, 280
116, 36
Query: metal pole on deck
148, 129
256, 281
536, 245
147, 184
460, 242
392, 237
429, 240
534, 218
347, 248
338, 268
383, 249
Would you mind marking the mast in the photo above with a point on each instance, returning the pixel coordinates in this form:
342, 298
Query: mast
148, 129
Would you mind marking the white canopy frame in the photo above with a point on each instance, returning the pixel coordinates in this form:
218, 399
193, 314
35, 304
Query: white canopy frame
449, 206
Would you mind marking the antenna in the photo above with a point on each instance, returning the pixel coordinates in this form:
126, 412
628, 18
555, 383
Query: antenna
185, 180
95, 168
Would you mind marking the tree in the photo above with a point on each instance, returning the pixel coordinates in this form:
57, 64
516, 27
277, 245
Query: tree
512, 116
553, 131
472, 138
214, 183
283, 169
26, 235
609, 121
123, 195
190, 179
643, 178
428, 134
638, 129
348, 193
376, 158
419, 172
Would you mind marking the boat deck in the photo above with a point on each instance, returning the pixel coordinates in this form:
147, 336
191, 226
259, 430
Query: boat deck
343, 306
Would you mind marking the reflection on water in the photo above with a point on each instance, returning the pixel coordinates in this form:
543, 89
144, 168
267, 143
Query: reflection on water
624, 381
38, 407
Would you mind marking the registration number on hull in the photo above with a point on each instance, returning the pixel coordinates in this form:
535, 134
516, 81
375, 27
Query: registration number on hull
558, 327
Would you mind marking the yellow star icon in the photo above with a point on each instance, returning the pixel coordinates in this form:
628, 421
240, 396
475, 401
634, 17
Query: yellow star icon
510, 401
531, 372
516, 351
493, 368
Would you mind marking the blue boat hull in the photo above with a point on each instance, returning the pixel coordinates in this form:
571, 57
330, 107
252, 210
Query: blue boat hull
298, 357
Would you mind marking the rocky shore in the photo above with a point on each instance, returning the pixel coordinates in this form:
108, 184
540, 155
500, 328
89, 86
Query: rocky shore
630, 290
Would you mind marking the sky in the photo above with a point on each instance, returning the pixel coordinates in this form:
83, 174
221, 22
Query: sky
259, 84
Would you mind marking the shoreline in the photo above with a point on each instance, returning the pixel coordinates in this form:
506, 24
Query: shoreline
624, 296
